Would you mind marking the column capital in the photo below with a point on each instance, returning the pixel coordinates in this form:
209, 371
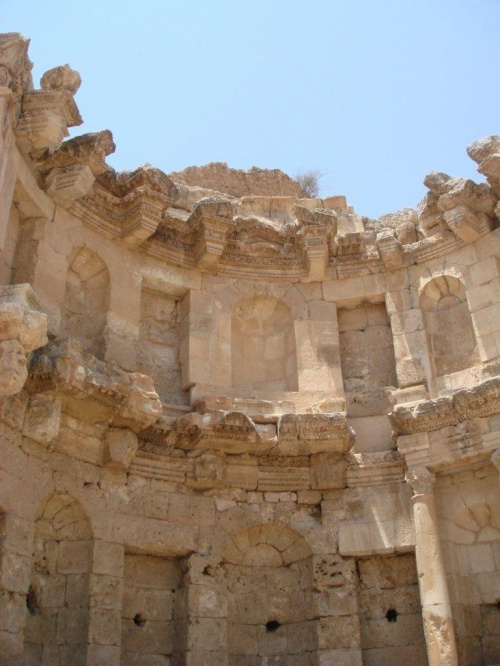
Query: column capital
421, 480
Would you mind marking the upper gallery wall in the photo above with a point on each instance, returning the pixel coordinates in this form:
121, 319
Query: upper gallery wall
236, 291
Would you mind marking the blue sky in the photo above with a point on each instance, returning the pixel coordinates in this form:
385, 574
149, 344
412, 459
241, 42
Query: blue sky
373, 94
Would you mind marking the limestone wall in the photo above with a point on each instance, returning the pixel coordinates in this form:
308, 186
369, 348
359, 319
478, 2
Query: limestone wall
240, 427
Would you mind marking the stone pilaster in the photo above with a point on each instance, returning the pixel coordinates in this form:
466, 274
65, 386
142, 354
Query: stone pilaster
106, 598
200, 620
16, 538
436, 608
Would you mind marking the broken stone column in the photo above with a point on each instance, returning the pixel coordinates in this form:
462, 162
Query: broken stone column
436, 608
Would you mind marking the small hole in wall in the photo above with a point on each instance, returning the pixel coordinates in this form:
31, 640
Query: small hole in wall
139, 620
391, 615
31, 601
272, 625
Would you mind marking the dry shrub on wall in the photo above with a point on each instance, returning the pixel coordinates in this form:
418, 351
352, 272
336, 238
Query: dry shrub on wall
309, 181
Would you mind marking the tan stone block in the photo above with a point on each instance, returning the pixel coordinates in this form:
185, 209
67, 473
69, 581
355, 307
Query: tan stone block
342, 291
16, 534
51, 591
154, 637
150, 603
309, 497
327, 471
148, 571
242, 639
296, 552
77, 590
486, 270
105, 592
206, 634
12, 611
204, 601
338, 632
487, 320
14, 572
122, 445
74, 557
104, 626
191, 510
11, 646
104, 655
72, 626
340, 658
156, 536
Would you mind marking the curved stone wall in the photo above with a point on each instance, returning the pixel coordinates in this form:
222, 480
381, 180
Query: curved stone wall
240, 429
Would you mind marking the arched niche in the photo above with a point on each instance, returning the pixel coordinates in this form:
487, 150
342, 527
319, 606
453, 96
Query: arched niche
448, 322
56, 630
86, 300
268, 574
472, 546
263, 347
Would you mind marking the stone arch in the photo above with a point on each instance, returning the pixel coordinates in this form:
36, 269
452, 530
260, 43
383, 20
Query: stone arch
263, 346
448, 323
270, 544
56, 630
472, 544
86, 300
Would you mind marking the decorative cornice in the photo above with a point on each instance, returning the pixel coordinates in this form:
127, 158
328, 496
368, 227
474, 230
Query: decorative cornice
479, 401
64, 368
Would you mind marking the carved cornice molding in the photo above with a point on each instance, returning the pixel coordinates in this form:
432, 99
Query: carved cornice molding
465, 404
65, 369
234, 432
316, 433
374, 468
129, 206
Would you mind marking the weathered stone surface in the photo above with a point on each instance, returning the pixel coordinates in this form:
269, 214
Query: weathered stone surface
314, 479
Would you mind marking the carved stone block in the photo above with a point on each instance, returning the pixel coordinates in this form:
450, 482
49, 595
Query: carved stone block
65, 185
121, 447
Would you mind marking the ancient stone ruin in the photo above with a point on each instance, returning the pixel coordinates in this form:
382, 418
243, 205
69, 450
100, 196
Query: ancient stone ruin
240, 426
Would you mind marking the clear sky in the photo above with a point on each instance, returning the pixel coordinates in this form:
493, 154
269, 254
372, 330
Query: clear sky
373, 94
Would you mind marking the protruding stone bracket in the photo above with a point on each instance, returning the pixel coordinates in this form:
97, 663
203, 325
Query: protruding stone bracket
467, 225
317, 228
121, 447
15, 67
486, 153
23, 328
127, 205
45, 118
350, 244
97, 389
66, 184
211, 222
315, 433
390, 249
88, 149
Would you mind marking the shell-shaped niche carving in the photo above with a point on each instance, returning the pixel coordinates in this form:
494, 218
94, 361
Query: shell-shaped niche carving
86, 300
263, 345
448, 323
